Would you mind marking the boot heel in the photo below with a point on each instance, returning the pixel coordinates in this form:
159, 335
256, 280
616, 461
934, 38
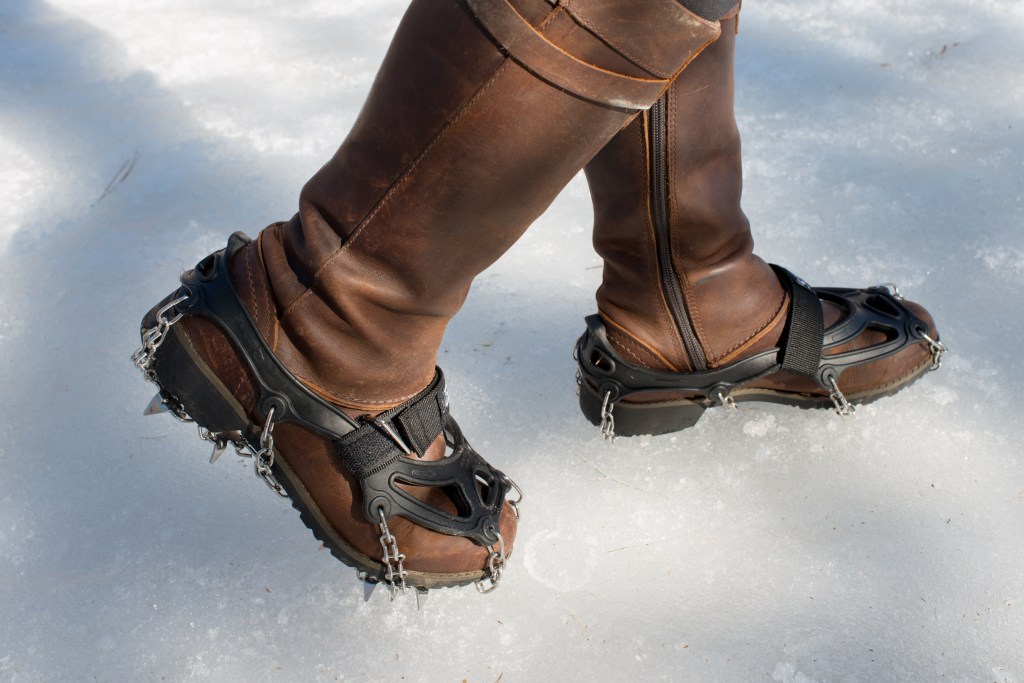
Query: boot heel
634, 419
183, 374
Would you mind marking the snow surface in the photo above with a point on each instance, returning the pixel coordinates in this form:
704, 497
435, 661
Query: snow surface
883, 142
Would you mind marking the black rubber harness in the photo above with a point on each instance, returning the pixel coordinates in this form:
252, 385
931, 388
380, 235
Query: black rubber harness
803, 348
382, 452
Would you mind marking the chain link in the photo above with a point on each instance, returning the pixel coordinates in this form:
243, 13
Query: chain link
607, 417
843, 407
726, 400
891, 289
495, 566
263, 459
937, 348
154, 337
143, 359
514, 504
393, 559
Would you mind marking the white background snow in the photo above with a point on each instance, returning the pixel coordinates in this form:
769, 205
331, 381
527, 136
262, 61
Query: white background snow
884, 141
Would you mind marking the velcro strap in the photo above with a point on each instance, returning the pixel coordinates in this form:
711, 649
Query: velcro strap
422, 420
403, 430
367, 450
806, 326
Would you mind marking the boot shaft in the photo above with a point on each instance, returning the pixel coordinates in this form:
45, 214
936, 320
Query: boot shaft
681, 288
482, 111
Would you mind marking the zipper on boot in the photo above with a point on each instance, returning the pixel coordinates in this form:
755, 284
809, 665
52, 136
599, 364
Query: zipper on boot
658, 154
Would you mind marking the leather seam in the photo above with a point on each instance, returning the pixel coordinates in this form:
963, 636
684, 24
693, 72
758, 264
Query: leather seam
555, 11
611, 321
276, 326
344, 401
769, 324
693, 56
399, 183
252, 293
583, 22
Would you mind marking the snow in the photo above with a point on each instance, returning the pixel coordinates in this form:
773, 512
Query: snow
883, 142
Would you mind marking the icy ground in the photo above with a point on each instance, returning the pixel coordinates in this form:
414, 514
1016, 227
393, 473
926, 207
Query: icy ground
884, 142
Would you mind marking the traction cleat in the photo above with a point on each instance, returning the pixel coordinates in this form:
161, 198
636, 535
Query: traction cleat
627, 399
383, 453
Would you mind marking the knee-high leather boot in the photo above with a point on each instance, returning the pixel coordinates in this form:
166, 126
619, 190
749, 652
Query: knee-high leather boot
314, 346
689, 317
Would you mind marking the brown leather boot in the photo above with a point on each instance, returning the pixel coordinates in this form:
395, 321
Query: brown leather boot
313, 348
689, 317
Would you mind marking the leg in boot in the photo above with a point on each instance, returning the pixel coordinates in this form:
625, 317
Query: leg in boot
314, 346
689, 317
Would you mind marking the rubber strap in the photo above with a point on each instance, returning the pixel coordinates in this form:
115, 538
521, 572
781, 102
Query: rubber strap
212, 295
474, 489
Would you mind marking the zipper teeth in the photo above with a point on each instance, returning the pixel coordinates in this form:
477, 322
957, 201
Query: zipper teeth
659, 202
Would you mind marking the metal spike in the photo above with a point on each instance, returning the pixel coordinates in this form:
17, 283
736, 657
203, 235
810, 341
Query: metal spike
368, 588
156, 406
421, 598
218, 448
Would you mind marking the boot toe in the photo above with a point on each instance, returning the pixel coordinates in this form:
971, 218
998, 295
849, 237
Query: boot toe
887, 375
433, 553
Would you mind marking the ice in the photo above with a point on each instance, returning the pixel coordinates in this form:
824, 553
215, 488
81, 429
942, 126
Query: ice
883, 142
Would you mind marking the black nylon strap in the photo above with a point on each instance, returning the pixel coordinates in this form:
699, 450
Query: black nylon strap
805, 328
379, 441
421, 421
367, 450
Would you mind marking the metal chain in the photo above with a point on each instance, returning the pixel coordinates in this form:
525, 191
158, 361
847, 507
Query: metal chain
393, 559
495, 565
154, 337
937, 348
514, 504
891, 289
263, 459
843, 407
607, 417
726, 400
263, 456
